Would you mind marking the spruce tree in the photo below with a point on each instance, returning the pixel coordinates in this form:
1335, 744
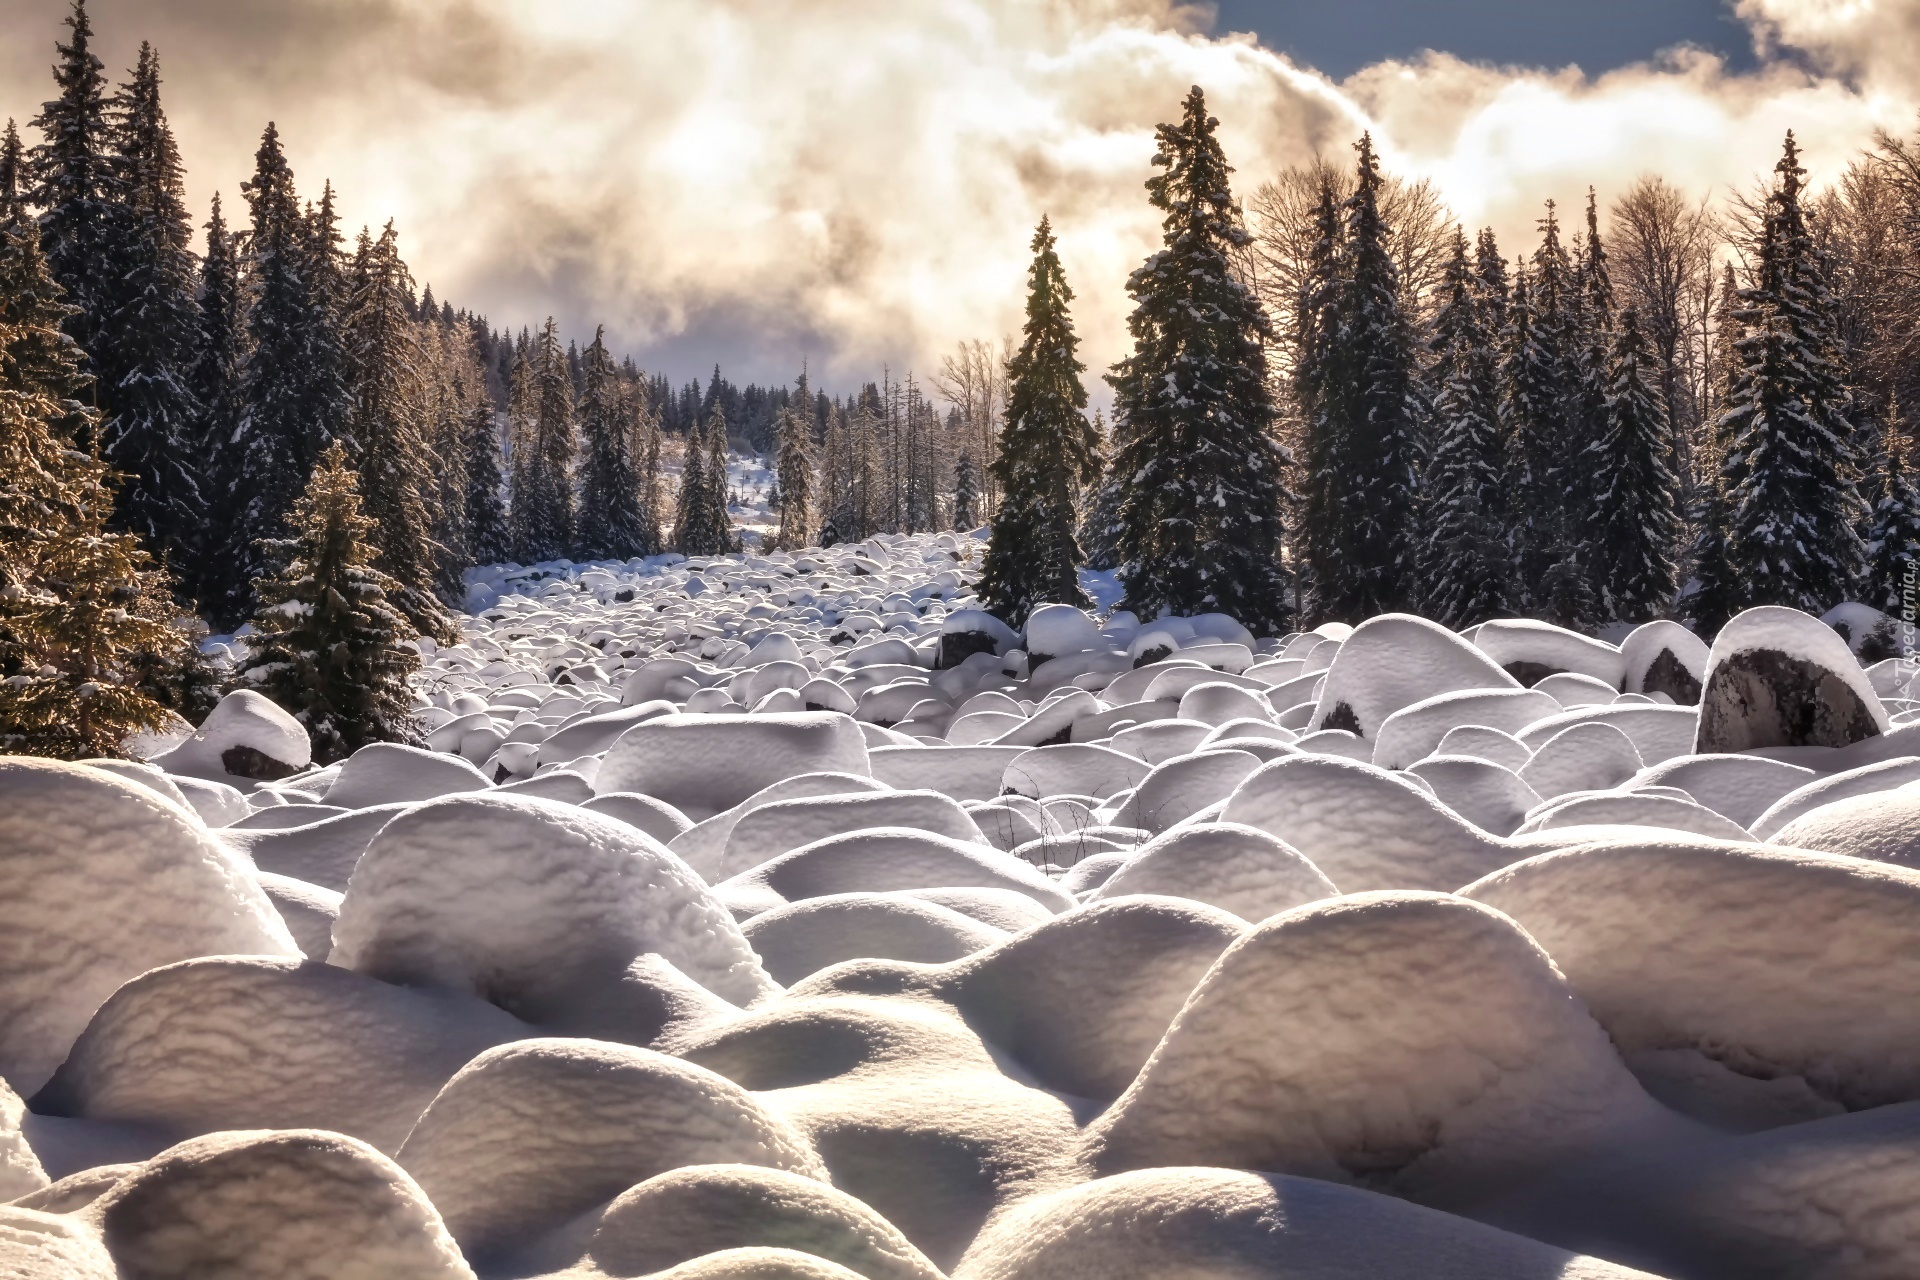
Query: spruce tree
78, 604
292, 394
216, 386
966, 493
719, 516
553, 441
1544, 406
1201, 521
690, 532
1465, 566
1047, 453
331, 648
1636, 528
645, 420
76, 186
13, 179
612, 523
794, 469
1893, 537
388, 430
1717, 593
150, 320
1790, 470
1590, 346
489, 537
1366, 450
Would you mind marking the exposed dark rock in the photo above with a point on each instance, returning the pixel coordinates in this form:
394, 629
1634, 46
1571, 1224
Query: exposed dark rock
1765, 698
1531, 673
957, 646
251, 762
1667, 674
1152, 655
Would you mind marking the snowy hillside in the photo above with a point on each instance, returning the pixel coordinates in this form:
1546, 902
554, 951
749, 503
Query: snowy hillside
787, 916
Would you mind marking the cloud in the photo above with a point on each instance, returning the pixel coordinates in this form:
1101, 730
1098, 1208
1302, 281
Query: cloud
855, 182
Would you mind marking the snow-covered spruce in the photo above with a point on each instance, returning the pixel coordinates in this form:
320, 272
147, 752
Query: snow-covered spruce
787, 915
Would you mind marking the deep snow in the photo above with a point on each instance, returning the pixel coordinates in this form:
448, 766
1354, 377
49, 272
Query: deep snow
785, 916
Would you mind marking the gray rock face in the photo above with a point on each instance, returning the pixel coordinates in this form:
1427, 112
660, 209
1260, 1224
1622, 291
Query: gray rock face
1766, 698
1667, 674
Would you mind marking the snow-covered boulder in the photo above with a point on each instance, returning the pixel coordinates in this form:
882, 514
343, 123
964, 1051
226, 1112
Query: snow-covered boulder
1665, 657
738, 1211
1490, 796
1737, 787
702, 764
1416, 731
322, 852
1363, 827
288, 1205
242, 1042
1156, 1223
1475, 1064
1394, 661
1239, 869
20, 1170
535, 906
528, 1135
105, 879
1863, 780
389, 773
880, 860
1748, 977
807, 936
1781, 678
1530, 651
1883, 826
246, 736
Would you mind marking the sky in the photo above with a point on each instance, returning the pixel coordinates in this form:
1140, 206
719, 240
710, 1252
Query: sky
854, 183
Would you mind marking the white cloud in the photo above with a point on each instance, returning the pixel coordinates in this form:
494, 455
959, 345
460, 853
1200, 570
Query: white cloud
855, 181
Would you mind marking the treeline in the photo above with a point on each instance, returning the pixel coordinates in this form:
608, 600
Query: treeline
1338, 405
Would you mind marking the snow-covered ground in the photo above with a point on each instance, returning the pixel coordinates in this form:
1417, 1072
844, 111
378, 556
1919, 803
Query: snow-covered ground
786, 916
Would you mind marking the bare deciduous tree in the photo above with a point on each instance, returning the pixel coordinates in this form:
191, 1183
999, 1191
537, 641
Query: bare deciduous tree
1662, 247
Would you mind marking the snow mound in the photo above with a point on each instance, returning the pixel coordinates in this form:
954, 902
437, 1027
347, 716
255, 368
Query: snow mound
324, 852
704, 843
1883, 826
1665, 657
246, 736
1530, 651
1475, 1064
1588, 756
105, 880
1831, 1198
243, 1042
37, 1245
702, 764
1417, 731
766, 832
881, 860
1082, 1000
1394, 661
655, 817
1864, 780
1758, 965
1486, 743
1239, 869
289, 1205
1490, 796
308, 911
688, 1213
1737, 787
387, 773
962, 772
1183, 786
758, 1264
535, 906
1071, 769
1632, 809
1781, 678
1658, 733
1363, 827
528, 1135
20, 1171
807, 936
1155, 1224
